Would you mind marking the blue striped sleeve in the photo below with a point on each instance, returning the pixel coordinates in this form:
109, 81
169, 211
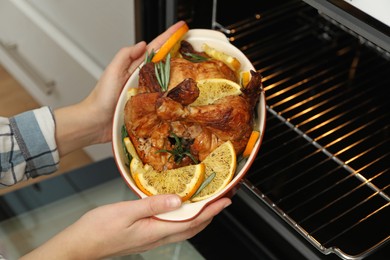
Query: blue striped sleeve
28, 147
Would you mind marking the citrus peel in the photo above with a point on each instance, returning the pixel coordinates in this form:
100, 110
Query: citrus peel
183, 181
170, 44
223, 163
232, 62
251, 143
211, 90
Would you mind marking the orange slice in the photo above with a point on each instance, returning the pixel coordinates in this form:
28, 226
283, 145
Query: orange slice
251, 143
183, 181
221, 163
170, 43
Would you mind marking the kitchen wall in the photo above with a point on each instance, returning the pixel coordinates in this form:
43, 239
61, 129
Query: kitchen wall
57, 50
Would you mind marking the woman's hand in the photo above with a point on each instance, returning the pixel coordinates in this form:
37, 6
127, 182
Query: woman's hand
125, 228
90, 121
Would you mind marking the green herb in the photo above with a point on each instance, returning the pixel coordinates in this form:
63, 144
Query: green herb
127, 155
241, 159
163, 71
179, 151
194, 57
204, 183
149, 56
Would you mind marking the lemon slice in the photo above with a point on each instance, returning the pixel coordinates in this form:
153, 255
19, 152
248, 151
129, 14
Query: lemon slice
183, 181
130, 148
211, 90
223, 163
131, 92
230, 61
245, 78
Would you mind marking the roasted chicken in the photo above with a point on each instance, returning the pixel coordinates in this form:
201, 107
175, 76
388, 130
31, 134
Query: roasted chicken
157, 122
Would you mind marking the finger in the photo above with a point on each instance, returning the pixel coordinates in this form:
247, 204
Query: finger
186, 234
179, 230
137, 57
155, 44
154, 205
125, 58
187, 230
212, 210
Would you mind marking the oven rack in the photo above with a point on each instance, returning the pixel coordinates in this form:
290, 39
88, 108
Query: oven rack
323, 165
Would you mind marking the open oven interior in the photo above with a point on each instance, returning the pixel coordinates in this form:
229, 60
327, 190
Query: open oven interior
320, 185
323, 167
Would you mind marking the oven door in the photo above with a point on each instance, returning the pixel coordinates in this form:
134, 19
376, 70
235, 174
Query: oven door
154, 16
319, 187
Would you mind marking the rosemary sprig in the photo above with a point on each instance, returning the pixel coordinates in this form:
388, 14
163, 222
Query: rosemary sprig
149, 56
163, 71
204, 184
179, 151
194, 57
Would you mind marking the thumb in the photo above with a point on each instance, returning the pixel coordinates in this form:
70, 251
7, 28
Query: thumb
137, 56
154, 205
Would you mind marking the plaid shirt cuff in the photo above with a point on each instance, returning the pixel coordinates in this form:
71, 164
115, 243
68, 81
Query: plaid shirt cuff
28, 147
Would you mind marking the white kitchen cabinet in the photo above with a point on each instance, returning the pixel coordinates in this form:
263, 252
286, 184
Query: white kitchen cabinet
99, 27
57, 50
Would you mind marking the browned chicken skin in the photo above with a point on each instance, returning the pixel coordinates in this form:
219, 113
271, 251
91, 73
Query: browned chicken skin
229, 118
147, 132
182, 69
152, 117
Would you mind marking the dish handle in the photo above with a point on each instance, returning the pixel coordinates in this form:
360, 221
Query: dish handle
205, 33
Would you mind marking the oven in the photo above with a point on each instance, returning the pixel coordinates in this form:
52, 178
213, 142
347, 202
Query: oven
320, 186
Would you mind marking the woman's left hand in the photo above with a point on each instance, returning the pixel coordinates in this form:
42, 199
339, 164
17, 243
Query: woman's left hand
90, 121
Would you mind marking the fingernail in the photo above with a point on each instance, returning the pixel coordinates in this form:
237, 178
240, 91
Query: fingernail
174, 202
228, 204
141, 43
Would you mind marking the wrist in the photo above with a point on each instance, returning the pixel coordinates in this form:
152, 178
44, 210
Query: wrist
75, 128
65, 245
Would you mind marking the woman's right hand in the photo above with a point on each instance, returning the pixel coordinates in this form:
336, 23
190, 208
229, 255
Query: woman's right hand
125, 228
